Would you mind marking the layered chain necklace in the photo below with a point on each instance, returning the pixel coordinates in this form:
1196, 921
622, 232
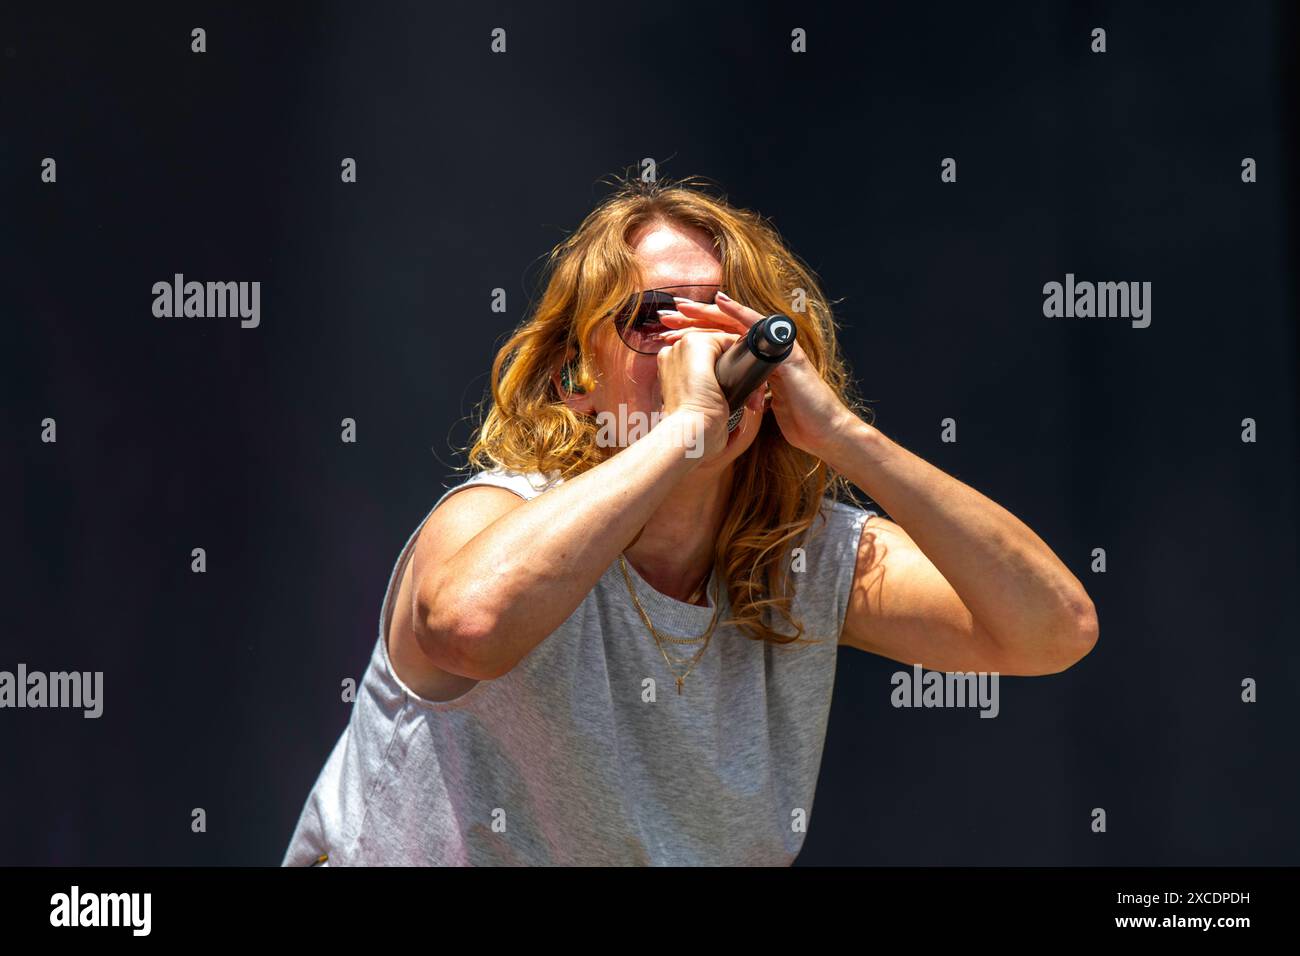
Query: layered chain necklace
661, 639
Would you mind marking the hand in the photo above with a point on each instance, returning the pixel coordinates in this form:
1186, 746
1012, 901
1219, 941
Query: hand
689, 384
807, 409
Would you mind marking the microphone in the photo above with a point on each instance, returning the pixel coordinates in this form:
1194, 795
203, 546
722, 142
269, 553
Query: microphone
748, 363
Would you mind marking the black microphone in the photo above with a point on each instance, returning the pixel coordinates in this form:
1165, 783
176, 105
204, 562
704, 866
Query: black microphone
748, 363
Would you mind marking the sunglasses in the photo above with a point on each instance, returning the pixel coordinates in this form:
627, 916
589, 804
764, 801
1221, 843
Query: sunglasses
638, 322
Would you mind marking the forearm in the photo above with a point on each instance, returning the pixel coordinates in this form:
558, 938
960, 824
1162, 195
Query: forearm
1008, 578
516, 581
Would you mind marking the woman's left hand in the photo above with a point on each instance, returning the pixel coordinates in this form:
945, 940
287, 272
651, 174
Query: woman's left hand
809, 412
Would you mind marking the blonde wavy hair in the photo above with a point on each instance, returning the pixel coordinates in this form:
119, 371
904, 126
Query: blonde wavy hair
528, 427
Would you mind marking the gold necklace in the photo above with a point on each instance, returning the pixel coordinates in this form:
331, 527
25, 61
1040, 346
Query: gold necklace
694, 595
659, 639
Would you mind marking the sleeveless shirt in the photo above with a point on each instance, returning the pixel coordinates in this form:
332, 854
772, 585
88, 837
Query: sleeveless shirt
585, 753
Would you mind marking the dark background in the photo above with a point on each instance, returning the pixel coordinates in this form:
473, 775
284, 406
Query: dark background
222, 690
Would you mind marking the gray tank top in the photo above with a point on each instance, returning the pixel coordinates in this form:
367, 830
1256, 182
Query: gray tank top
574, 757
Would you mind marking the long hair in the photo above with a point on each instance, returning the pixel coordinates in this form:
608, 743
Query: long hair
528, 427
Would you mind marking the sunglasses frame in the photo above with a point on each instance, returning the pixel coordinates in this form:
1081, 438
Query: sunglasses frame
641, 301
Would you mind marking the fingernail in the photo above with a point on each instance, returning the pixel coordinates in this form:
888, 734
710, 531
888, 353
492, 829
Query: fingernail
682, 298
671, 313
723, 296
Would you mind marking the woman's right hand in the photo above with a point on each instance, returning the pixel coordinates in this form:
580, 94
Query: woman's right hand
689, 385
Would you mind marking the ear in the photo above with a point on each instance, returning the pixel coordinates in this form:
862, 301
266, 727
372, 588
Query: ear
578, 402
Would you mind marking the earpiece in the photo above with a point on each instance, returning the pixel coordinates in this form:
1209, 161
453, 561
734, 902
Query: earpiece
567, 383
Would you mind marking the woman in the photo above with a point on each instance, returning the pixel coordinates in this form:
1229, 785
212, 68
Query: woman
617, 648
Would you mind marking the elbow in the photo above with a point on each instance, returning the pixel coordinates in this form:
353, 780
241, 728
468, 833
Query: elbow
458, 637
1079, 636
477, 648
1067, 642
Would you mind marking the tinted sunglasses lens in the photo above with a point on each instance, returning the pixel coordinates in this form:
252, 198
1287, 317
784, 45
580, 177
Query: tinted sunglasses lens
639, 325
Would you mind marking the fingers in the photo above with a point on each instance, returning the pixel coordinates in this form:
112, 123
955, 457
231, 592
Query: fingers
723, 310
673, 336
678, 320
735, 318
737, 311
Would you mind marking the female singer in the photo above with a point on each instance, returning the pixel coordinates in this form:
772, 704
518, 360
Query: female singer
603, 652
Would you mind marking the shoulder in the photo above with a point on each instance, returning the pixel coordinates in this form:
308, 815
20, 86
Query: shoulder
525, 484
824, 563
464, 516
836, 529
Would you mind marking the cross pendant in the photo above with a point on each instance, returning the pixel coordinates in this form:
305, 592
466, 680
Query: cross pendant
679, 685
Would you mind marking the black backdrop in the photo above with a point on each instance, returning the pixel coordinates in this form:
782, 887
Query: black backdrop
222, 690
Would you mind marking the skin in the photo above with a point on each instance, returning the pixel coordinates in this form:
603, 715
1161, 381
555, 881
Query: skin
967, 586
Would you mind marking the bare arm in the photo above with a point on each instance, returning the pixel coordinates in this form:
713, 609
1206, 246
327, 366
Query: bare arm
967, 586
506, 577
483, 599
